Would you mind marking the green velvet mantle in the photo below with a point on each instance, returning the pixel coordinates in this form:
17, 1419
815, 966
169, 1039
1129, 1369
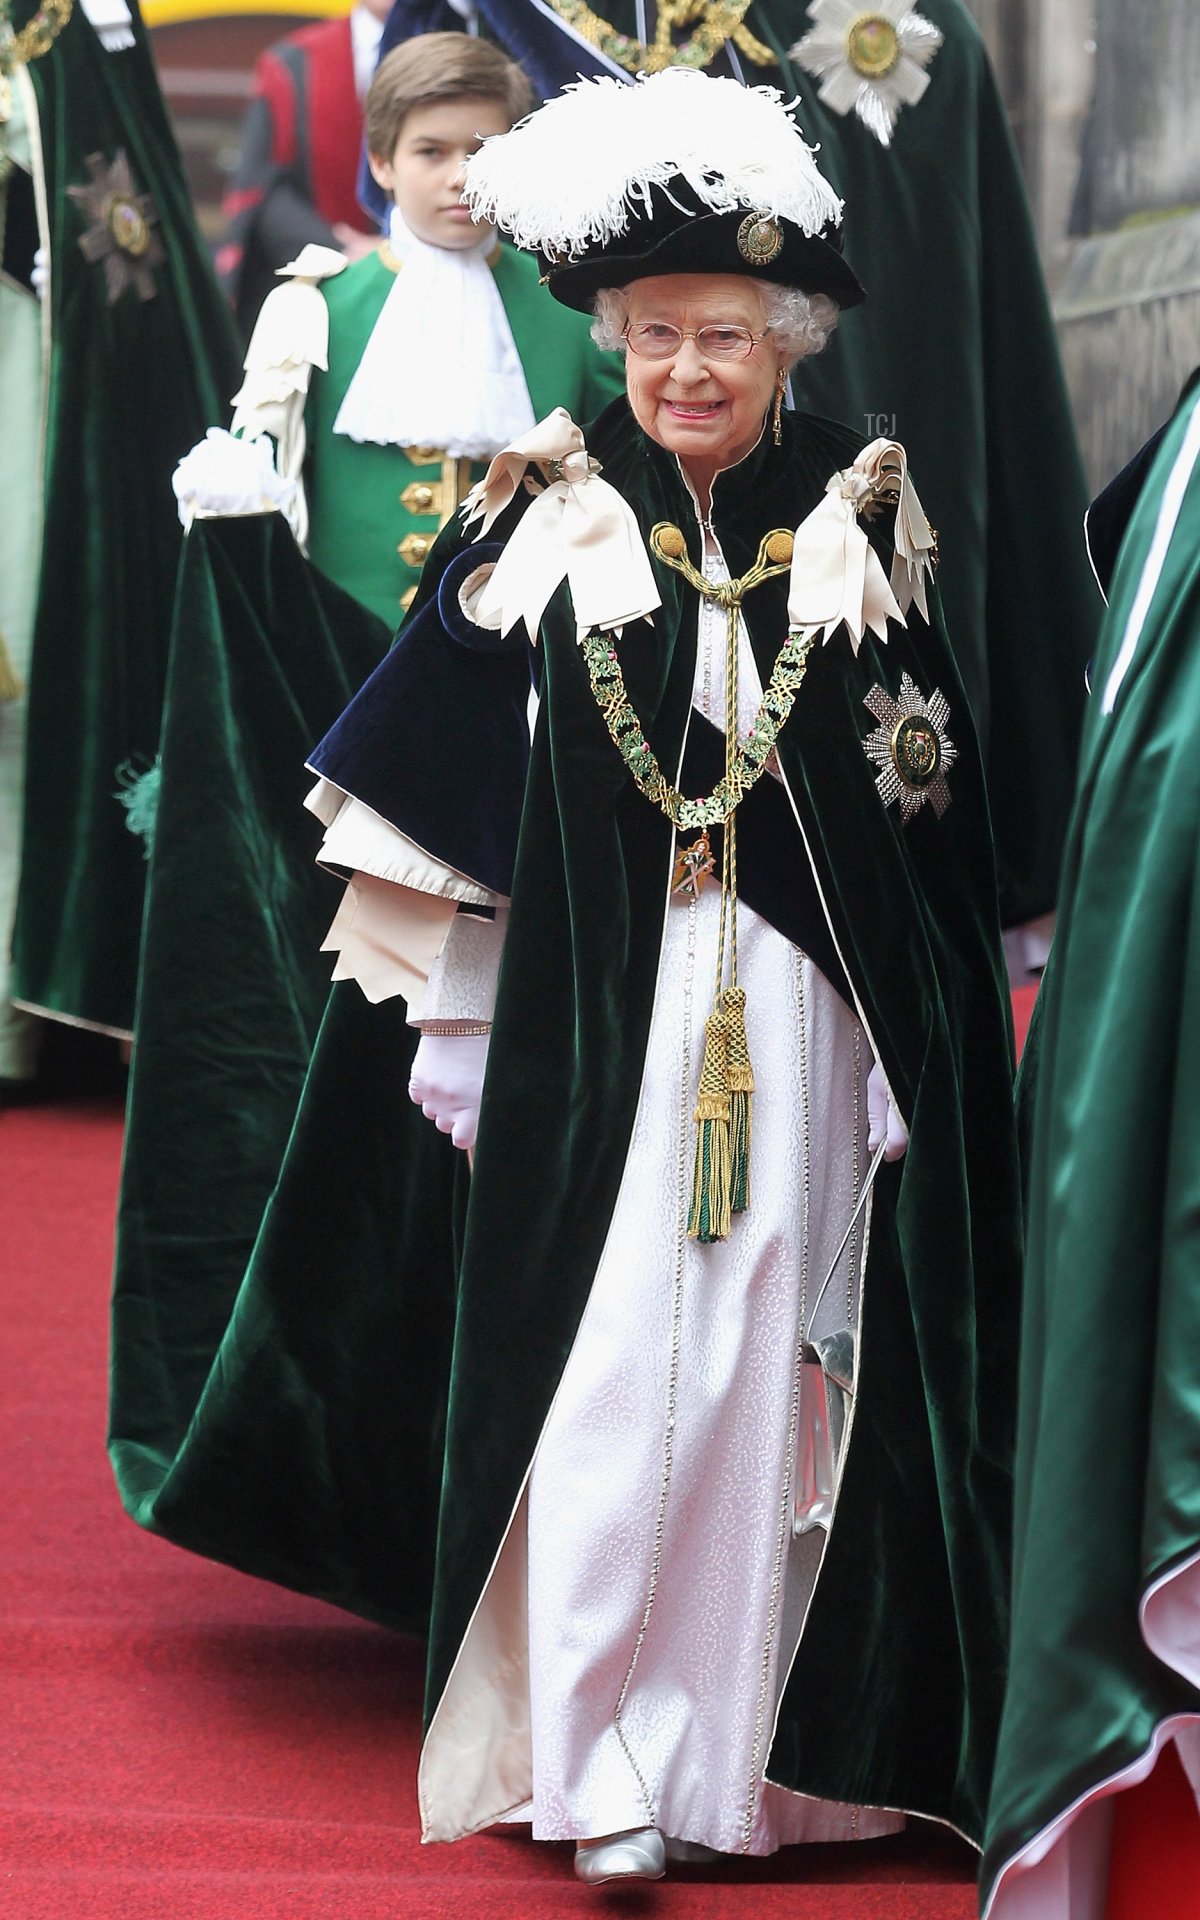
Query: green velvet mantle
953, 353
132, 386
1108, 1495
915, 1574
240, 1440
290, 1377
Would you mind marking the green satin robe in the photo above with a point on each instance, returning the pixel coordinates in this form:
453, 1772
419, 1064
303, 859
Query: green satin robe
1108, 1493
133, 384
367, 1412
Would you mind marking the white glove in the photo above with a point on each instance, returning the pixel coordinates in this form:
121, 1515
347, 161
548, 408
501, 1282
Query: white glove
39, 278
447, 1082
883, 1119
225, 476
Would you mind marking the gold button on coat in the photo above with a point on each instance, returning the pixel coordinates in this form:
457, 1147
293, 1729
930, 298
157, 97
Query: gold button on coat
414, 548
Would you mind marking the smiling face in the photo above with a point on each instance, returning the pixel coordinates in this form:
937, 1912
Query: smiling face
710, 413
423, 174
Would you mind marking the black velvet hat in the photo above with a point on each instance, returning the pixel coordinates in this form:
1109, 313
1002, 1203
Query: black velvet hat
678, 172
674, 232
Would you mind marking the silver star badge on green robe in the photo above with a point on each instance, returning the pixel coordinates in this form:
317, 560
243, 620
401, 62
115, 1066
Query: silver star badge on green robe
911, 748
122, 231
870, 60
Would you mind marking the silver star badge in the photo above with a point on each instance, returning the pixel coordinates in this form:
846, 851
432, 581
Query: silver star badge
870, 61
910, 747
122, 231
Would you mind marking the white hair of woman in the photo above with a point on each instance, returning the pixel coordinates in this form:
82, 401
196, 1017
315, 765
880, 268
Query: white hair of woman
800, 322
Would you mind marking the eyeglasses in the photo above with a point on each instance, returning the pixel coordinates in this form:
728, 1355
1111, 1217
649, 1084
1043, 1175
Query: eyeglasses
655, 340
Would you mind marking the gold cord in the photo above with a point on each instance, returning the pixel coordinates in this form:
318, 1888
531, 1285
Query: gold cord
721, 1161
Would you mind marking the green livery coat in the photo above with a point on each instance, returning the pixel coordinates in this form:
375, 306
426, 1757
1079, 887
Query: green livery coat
358, 518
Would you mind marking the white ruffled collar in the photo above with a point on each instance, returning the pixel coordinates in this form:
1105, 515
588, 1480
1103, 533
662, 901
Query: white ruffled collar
441, 367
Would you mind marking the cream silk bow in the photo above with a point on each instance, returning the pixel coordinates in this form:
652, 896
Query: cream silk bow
578, 528
836, 574
290, 338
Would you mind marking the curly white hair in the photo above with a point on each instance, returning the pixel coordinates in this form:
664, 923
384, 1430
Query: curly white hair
800, 322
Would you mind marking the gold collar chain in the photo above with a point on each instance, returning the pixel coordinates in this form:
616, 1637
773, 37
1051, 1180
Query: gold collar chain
719, 20
35, 38
750, 755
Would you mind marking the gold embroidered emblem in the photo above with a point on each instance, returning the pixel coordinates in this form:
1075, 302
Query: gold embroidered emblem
420, 497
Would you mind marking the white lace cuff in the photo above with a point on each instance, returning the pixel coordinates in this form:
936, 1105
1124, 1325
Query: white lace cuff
462, 980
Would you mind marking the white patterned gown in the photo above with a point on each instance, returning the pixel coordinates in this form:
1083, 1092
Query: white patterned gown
645, 1607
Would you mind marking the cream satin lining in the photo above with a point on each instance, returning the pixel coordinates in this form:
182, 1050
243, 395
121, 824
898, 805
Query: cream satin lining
399, 903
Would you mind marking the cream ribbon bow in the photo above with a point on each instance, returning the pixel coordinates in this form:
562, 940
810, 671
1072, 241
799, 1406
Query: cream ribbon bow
578, 528
836, 574
290, 338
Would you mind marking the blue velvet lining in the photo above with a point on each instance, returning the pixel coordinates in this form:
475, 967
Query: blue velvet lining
385, 752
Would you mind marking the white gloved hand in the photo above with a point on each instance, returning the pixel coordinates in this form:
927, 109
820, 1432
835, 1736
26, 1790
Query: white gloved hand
447, 1082
225, 476
883, 1119
39, 278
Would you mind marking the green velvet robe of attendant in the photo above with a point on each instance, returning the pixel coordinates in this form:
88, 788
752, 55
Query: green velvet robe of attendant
133, 383
367, 1418
954, 354
375, 511
1108, 1487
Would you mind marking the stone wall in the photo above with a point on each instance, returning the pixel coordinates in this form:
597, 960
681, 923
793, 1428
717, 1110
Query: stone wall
1103, 98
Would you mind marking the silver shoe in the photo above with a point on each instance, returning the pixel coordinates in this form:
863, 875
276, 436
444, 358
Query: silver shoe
625, 1856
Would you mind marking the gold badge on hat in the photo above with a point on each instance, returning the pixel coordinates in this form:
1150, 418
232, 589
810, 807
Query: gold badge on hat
760, 239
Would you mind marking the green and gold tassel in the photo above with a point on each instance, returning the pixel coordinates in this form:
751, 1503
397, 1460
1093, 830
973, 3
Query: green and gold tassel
710, 1216
739, 1077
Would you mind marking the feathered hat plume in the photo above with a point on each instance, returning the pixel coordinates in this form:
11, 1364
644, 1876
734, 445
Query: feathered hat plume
615, 179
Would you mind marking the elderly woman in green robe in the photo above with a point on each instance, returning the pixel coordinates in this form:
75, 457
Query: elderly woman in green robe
666, 819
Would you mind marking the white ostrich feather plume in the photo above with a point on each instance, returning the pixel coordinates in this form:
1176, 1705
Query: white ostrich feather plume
570, 175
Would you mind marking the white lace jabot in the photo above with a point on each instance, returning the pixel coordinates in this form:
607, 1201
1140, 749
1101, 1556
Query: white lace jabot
441, 367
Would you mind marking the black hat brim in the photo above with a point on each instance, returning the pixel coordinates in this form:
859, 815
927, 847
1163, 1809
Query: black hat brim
676, 240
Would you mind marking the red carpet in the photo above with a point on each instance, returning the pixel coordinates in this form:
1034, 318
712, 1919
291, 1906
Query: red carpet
178, 1742
1154, 1867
